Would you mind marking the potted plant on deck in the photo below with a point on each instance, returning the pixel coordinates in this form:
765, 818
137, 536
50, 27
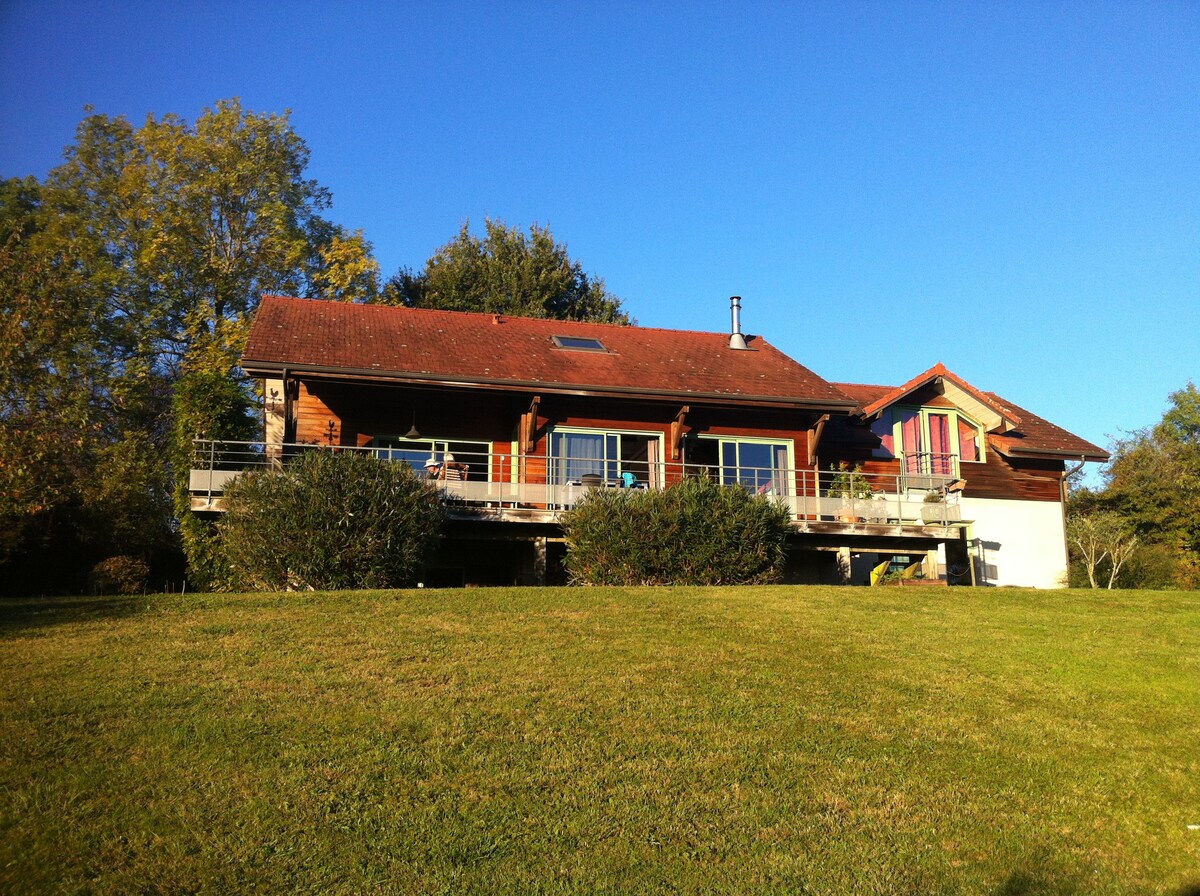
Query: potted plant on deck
850, 484
934, 508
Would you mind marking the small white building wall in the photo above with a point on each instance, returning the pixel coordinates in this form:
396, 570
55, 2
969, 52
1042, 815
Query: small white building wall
1019, 543
274, 426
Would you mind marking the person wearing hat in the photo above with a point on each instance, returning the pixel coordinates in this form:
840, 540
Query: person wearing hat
433, 469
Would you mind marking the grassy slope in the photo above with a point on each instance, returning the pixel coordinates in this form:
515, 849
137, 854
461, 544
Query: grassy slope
790, 740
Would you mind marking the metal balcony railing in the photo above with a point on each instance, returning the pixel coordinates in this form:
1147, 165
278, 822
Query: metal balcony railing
539, 482
928, 469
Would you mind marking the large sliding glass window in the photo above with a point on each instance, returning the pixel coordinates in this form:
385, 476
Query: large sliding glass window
761, 466
606, 454
577, 454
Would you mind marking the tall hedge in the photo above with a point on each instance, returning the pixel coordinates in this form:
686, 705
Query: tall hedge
694, 533
329, 520
206, 404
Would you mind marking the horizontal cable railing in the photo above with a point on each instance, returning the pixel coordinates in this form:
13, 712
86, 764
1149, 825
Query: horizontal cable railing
557, 482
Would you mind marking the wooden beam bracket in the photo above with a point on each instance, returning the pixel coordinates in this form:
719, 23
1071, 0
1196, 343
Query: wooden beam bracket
814, 438
528, 427
677, 431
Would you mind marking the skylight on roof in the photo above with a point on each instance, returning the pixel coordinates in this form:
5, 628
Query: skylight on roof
579, 343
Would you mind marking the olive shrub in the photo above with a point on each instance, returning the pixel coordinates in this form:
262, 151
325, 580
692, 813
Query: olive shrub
696, 532
329, 520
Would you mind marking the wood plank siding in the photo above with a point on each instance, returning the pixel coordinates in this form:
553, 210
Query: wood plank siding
1028, 479
361, 412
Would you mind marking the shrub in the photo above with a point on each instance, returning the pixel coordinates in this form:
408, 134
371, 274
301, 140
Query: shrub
1153, 566
694, 533
120, 575
206, 404
849, 482
329, 520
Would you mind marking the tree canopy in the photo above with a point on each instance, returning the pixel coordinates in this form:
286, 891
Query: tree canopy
128, 278
175, 230
1152, 486
506, 272
139, 259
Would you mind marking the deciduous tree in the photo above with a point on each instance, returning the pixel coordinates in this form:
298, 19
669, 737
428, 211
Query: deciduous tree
1153, 488
1099, 537
140, 259
506, 272
176, 230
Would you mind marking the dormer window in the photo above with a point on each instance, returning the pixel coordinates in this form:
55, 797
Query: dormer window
939, 437
578, 343
968, 440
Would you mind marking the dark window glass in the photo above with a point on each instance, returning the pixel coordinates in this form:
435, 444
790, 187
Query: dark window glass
579, 343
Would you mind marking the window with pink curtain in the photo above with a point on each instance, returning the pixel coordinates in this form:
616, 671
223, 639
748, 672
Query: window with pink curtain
939, 445
910, 438
887, 441
968, 440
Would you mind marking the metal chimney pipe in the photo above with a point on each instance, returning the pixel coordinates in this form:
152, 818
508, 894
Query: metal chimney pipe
736, 339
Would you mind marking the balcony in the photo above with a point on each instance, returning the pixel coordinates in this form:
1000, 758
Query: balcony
928, 470
538, 488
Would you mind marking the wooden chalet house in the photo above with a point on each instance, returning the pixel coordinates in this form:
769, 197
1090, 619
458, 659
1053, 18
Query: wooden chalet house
518, 417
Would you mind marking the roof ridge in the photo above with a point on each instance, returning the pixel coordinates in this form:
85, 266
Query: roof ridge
521, 317
865, 385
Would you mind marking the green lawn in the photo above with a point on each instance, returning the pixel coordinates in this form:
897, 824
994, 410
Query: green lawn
738, 740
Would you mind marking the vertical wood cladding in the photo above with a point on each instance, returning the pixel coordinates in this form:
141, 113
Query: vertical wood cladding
312, 419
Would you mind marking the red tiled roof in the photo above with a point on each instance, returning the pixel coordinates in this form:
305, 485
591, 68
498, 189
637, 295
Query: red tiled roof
863, 393
512, 352
921, 379
1033, 435
1036, 435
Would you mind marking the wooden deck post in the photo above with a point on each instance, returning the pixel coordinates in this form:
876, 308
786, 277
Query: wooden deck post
843, 565
539, 560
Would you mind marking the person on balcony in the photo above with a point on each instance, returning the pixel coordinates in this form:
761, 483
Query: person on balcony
452, 470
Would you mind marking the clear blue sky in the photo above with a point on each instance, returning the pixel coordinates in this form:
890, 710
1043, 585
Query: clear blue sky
1010, 188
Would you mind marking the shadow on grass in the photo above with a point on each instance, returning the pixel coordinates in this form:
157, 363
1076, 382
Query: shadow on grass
1044, 883
1036, 883
18, 613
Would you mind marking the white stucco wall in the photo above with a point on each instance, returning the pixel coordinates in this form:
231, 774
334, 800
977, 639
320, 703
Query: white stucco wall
1017, 542
273, 411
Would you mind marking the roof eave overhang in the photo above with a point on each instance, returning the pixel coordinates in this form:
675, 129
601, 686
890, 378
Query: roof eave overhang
1052, 453
269, 369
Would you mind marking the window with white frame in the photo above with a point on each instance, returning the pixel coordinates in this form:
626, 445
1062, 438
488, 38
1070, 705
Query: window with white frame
427, 454
760, 465
574, 453
930, 440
